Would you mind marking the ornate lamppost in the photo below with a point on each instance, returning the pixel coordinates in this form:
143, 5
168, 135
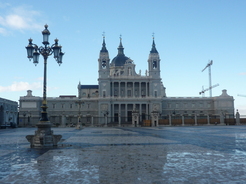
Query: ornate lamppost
44, 135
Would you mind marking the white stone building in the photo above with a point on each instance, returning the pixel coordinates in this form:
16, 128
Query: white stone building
125, 97
8, 113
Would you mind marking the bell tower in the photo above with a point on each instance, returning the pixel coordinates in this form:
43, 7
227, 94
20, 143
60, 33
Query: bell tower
104, 71
154, 62
103, 61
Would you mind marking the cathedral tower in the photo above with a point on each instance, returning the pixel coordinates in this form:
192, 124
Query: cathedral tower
103, 61
103, 71
154, 62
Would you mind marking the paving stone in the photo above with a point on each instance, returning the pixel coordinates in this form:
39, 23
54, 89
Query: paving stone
156, 155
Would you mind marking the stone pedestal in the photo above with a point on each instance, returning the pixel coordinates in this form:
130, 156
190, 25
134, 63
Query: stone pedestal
237, 118
43, 137
78, 127
222, 118
155, 118
135, 118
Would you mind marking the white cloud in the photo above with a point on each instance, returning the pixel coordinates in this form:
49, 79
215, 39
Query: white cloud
20, 18
40, 78
3, 31
21, 86
4, 5
243, 73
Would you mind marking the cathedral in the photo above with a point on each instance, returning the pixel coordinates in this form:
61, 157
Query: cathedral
124, 97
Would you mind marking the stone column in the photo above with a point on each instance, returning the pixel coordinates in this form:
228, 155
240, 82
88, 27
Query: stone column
125, 89
208, 119
140, 112
147, 111
195, 119
119, 90
126, 114
237, 118
183, 123
222, 118
133, 89
63, 120
113, 89
92, 123
146, 90
119, 115
170, 119
112, 113
140, 90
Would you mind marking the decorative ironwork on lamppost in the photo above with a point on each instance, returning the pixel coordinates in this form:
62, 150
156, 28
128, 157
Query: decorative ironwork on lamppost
44, 135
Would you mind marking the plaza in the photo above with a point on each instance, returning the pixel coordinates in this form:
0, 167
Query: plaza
177, 154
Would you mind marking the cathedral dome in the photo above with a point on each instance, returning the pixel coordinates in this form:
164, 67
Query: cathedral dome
120, 59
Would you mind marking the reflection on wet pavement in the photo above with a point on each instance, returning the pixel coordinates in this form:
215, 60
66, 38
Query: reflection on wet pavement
201, 154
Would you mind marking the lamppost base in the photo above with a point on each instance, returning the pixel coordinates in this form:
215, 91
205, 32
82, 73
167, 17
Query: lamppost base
78, 127
43, 137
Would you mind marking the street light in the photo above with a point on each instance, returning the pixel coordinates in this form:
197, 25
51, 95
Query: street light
44, 135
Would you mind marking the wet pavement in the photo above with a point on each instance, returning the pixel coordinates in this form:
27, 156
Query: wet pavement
196, 154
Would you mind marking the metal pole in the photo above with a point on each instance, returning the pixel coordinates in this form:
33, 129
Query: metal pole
44, 116
210, 80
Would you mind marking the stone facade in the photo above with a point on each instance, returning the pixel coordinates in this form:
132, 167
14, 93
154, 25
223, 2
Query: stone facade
121, 92
8, 112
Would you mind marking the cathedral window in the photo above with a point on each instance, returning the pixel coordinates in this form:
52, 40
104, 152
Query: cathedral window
104, 64
129, 93
115, 93
154, 64
122, 93
143, 93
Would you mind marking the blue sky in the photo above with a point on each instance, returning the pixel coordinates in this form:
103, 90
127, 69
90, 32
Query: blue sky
188, 33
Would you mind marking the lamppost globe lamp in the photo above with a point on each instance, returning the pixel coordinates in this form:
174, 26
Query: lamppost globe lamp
46, 34
59, 59
35, 57
44, 135
56, 49
30, 49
